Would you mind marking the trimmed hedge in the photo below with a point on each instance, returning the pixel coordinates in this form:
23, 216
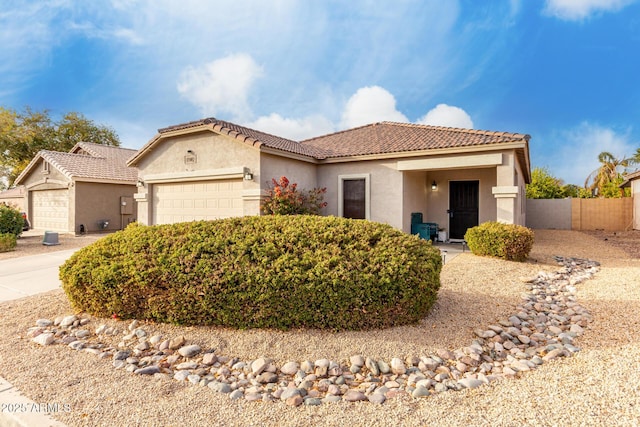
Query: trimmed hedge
8, 242
258, 272
508, 241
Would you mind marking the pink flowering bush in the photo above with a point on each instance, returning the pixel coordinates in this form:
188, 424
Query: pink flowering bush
284, 198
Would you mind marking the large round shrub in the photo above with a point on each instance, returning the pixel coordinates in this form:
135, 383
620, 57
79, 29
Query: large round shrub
258, 272
508, 241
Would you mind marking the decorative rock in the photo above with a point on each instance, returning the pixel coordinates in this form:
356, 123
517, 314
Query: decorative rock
378, 398
44, 323
44, 339
289, 368
68, 321
189, 350
420, 392
187, 366
209, 359
294, 401
357, 360
259, 365
354, 396
236, 394
147, 370
267, 377
176, 343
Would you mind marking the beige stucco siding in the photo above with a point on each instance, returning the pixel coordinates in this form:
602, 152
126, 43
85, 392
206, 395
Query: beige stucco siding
202, 157
97, 202
301, 172
386, 188
438, 201
415, 197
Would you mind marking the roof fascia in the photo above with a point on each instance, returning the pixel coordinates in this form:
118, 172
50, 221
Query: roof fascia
432, 152
289, 155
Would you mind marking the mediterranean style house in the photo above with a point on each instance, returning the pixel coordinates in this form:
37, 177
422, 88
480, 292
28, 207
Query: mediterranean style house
385, 172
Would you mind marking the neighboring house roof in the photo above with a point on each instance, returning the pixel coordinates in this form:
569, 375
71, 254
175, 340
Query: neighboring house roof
15, 192
630, 177
378, 139
88, 162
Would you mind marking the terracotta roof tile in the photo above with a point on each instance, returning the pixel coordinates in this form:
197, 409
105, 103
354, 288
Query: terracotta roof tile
251, 136
390, 137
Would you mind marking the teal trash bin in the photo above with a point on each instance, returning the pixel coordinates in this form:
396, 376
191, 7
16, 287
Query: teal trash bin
416, 218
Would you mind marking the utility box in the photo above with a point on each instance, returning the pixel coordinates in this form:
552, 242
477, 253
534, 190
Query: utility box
50, 238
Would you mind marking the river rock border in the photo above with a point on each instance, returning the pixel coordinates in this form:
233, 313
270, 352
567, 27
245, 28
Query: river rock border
543, 328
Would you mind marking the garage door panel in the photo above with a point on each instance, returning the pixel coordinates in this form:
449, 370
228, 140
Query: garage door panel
50, 210
206, 200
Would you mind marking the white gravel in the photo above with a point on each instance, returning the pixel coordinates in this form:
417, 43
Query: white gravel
598, 386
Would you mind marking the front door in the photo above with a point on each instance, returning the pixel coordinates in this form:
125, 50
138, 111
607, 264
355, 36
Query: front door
463, 207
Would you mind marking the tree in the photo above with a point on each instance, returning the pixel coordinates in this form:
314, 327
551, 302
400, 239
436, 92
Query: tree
544, 186
600, 181
22, 135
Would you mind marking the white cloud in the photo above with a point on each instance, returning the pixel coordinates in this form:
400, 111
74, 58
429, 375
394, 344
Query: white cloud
369, 105
578, 150
578, 10
447, 115
295, 129
222, 85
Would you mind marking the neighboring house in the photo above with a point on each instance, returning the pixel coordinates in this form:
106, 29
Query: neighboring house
13, 197
633, 180
384, 172
89, 189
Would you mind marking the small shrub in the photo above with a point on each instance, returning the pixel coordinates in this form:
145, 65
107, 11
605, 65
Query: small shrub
272, 271
284, 198
507, 241
11, 220
8, 242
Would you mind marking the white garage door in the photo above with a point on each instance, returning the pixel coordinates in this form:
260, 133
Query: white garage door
189, 201
50, 210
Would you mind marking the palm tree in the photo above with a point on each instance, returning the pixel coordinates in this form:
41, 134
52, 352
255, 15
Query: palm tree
608, 172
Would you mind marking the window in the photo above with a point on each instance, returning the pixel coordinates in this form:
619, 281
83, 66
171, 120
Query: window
353, 196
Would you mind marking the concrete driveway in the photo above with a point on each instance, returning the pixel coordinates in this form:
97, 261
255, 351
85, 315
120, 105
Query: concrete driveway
31, 275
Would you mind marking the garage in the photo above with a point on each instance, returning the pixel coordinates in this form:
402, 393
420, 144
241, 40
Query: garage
50, 210
197, 200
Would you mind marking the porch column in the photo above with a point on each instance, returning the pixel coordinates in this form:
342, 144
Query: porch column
505, 203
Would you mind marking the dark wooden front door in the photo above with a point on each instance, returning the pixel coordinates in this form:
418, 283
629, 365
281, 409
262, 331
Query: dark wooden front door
353, 202
463, 207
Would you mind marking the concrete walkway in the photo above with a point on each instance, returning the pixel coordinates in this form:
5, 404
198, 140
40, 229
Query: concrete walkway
31, 275
21, 277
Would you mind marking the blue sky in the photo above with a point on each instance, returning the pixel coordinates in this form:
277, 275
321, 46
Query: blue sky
563, 71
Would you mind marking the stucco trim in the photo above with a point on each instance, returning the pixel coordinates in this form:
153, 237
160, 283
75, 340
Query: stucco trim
255, 194
451, 162
225, 173
505, 192
46, 180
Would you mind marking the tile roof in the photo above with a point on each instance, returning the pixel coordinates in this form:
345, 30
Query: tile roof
390, 137
630, 177
377, 138
251, 136
102, 163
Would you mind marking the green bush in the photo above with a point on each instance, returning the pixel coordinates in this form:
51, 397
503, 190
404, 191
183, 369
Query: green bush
508, 241
258, 272
8, 242
11, 220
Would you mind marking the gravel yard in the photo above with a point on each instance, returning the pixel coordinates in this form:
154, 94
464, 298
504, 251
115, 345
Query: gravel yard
597, 386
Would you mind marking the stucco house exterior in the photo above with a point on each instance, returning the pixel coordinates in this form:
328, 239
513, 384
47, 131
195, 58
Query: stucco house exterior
13, 197
632, 180
88, 189
383, 172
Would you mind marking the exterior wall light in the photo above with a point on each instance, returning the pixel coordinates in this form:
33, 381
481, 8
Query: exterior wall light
248, 176
140, 183
434, 186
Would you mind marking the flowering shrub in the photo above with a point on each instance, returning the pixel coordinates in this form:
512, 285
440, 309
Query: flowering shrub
284, 198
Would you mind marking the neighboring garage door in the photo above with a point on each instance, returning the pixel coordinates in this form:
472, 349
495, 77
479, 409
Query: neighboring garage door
189, 201
50, 210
